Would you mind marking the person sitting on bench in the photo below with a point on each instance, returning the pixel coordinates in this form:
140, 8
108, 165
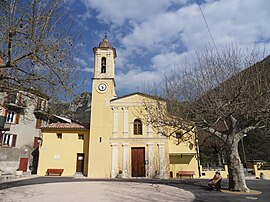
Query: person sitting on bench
215, 181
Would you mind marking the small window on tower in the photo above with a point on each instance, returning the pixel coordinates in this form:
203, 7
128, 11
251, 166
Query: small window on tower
103, 65
80, 136
59, 135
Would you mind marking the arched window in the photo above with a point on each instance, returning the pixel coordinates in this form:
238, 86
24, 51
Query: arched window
137, 127
103, 65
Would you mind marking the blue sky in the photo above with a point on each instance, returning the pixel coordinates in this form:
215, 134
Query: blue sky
152, 36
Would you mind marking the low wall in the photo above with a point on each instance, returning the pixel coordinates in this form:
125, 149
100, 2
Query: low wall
208, 174
259, 174
9, 167
262, 174
10, 158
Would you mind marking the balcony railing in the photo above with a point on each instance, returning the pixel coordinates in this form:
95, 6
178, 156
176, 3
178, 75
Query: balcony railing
41, 110
11, 102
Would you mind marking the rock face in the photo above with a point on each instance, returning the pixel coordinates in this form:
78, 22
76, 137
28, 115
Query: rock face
78, 109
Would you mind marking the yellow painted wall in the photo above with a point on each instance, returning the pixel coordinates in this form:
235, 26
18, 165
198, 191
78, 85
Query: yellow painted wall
62, 153
183, 156
136, 110
208, 174
99, 164
261, 174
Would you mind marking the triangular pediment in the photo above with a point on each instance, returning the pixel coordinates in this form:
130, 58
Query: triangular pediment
134, 97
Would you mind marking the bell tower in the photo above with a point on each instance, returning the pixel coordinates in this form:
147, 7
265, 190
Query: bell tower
103, 90
104, 60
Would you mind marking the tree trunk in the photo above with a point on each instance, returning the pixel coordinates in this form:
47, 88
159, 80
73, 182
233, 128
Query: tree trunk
237, 180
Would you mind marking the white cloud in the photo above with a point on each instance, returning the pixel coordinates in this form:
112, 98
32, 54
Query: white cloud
136, 80
119, 11
169, 30
83, 65
80, 61
164, 62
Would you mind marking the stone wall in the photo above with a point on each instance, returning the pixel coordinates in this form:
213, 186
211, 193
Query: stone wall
10, 158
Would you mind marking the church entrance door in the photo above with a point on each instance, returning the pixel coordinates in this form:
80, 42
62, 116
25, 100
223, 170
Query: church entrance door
138, 161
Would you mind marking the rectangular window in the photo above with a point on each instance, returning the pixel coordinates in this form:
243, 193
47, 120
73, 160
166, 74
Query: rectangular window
80, 136
12, 117
9, 139
59, 135
41, 104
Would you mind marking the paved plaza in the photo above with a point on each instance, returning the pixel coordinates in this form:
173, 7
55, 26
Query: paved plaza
84, 189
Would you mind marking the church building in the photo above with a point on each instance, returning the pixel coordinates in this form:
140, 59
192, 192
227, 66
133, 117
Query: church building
120, 141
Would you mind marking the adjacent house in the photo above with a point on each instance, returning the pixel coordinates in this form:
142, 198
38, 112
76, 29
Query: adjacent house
22, 115
64, 145
120, 141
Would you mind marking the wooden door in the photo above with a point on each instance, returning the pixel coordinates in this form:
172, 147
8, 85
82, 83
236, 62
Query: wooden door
23, 164
137, 161
80, 163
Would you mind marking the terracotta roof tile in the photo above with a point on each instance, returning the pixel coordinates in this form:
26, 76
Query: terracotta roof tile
65, 126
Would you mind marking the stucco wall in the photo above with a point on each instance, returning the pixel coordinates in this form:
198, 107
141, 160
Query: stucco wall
26, 129
62, 153
10, 158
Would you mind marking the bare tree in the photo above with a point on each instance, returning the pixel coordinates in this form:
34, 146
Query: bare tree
218, 95
37, 46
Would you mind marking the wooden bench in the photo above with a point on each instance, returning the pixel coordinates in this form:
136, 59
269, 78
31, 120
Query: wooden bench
189, 174
54, 171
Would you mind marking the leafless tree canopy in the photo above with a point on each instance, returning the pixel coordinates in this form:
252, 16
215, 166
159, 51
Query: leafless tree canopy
226, 94
218, 87
36, 46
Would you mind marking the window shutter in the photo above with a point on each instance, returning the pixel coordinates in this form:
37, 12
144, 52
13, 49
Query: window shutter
6, 112
36, 142
17, 120
19, 98
1, 138
44, 105
38, 123
38, 104
14, 138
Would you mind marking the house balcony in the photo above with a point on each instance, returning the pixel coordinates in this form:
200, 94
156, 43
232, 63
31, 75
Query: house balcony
40, 111
14, 104
3, 125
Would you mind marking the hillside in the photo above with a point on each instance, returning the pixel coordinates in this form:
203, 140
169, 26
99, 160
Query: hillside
78, 109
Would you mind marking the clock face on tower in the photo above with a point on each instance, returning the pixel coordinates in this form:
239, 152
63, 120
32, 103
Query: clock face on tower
102, 87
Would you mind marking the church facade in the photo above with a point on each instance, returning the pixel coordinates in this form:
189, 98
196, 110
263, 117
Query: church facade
120, 142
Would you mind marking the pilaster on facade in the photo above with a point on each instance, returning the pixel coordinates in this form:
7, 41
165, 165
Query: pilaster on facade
149, 127
114, 170
98, 63
109, 63
151, 160
126, 160
162, 168
125, 130
115, 122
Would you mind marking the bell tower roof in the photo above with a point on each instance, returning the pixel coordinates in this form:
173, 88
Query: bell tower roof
105, 44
